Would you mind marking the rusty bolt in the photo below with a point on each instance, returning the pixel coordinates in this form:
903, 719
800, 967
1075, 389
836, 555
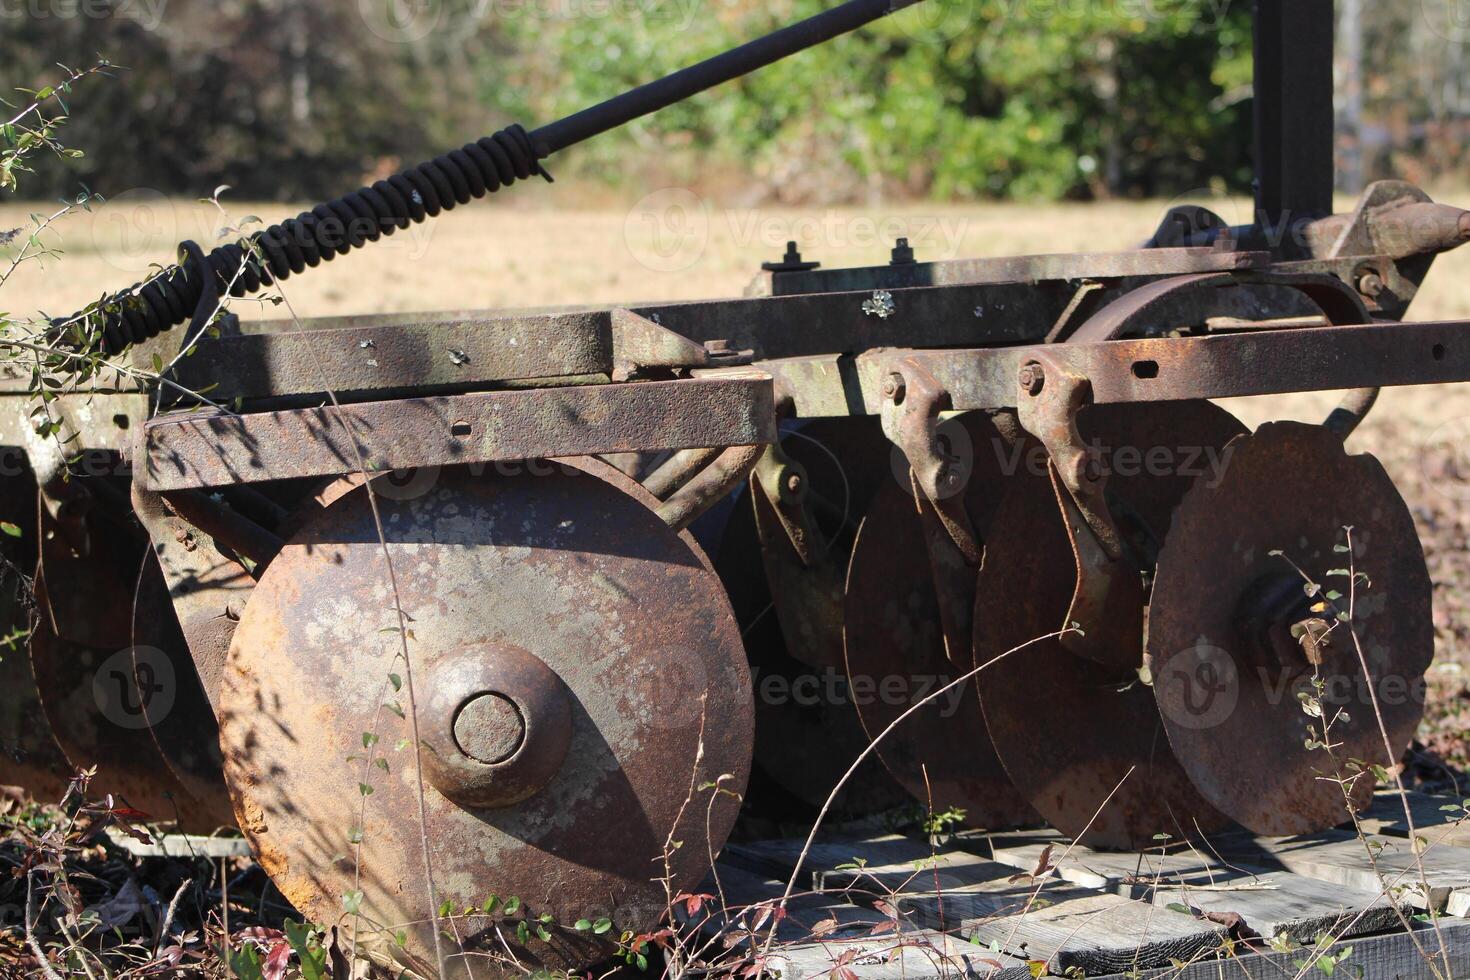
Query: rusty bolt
1370, 284
1032, 378
894, 388
717, 346
793, 482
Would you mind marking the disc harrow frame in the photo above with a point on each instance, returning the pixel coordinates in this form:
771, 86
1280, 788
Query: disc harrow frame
663, 411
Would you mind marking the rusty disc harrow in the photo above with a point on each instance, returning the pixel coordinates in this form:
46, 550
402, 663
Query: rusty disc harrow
807, 732
1084, 742
578, 676
1256, 603
113, 673
896, 654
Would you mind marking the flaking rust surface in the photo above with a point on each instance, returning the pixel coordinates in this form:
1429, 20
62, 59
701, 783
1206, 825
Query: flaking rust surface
575, 571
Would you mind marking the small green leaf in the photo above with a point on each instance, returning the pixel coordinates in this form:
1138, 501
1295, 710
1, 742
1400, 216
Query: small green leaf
396, 681
369, 740
10, 529
582, 925
512, 905
601, 926
364, 789
490, 904
352, 902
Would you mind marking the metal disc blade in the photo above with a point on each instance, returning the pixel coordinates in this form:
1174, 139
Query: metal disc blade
807, 732
1083, 743
1227, 667
896, 654
578, 677
29, 755
102, 688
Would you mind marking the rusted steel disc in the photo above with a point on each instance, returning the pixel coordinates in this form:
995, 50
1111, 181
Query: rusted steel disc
104, 682
1227, 666
807, 731
578, 675
896, 654
1084, 743
29, 755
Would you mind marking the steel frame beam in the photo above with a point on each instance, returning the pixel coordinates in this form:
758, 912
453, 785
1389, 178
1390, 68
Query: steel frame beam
198, 449
1255, 362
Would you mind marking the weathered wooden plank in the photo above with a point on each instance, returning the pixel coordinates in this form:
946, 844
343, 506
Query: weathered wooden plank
1272, 903
1343, 859
1390, 957
1433, 824
908, 952
1066, 926
922, 956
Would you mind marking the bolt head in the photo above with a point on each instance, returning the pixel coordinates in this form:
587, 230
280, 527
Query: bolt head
893, 387
793, 483
1032, 378
1371, 284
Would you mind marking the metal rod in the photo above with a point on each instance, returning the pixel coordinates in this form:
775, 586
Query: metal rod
714, 71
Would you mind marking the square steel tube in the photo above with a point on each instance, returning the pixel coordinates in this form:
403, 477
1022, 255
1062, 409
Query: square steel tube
1255, 362
217, 449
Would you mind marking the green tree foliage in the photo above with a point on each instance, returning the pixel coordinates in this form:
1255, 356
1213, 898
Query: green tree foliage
953, 98
968, 98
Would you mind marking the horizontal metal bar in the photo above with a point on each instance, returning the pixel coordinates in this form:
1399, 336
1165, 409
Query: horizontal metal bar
1020, 268
1256, 362
409, 353
216, 449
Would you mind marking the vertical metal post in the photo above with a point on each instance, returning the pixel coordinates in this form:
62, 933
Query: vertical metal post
1294, 116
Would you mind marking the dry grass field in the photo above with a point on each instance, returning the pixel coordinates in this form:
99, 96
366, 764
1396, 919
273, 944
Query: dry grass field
672, 244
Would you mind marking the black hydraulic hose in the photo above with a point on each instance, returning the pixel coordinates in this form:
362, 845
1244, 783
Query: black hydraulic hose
190, 290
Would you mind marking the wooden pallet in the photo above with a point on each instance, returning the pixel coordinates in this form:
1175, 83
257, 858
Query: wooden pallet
1017, 905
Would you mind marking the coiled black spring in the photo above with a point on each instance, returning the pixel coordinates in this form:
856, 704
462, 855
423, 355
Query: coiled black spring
178, 294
